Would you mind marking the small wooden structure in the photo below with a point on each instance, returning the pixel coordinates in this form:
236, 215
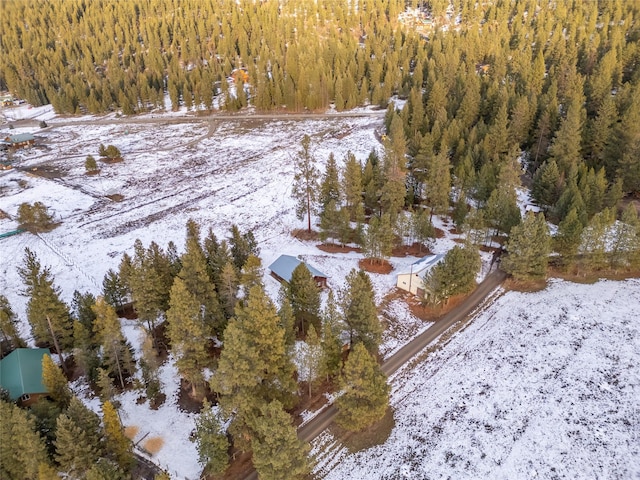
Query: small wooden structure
283, 268
21, 375
413, 280
21, 140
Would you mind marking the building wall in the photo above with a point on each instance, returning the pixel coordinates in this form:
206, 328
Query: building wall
410, 282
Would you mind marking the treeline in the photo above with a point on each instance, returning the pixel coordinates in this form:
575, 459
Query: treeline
188, 305
104, 55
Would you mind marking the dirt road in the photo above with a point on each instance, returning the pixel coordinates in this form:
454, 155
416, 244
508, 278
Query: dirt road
323, 420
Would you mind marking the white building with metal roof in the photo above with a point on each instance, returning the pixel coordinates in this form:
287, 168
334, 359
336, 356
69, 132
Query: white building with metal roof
413, 280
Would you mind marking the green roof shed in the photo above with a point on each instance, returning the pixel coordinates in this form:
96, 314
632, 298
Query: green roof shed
21, 372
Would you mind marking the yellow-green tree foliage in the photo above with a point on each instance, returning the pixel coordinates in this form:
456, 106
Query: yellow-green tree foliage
117, 445
365, 396
22, 451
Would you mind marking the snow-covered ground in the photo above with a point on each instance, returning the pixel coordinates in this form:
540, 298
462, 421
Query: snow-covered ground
216, 171
221, 172
539, 385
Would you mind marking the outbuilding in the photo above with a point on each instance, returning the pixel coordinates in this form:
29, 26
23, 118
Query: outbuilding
20, 140
413, 280
21, 375
283, 268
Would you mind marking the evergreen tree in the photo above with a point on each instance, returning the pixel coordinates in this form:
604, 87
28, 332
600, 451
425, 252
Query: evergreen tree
330, 186
254, 366
502, 212
277, 452
23, 451
359, 309
305, 185
77, 443
149, 280
105, 385
352, 185
8, 323
251, 273
243, 245
594, 240
85, 350
438, 183
311, 361
113, 289
211, 441
48, 315
46, 413
626, 239
149, 365
377, 240
333, 224
571, 198
228, 289
106, 469
528, 248
365, 396
546, 184
117, 445
330, 340
196, 280
116, 353
567, 240
55, 382
82, 304
188, 333
454, 275
304, 296
287, 318
566, 149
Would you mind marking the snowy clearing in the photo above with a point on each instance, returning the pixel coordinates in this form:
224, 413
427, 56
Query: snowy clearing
540, 384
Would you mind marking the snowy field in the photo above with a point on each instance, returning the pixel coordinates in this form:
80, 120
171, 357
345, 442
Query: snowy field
474, 420
539, 385
218, 172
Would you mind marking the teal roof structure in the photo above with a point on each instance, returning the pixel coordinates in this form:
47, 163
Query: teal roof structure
286, 264
21, 137
21, 372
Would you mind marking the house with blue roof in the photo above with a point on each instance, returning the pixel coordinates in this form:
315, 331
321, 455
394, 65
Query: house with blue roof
20, 140
413, 280
283, 268
21, 375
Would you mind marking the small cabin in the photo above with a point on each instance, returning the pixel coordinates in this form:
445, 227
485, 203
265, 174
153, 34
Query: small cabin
21, 375
413, 280
21, 140
283, 268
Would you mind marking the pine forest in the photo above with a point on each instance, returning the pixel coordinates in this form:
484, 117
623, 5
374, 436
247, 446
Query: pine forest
478, 101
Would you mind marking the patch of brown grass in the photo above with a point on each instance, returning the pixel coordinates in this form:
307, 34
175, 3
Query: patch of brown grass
304, 234
375, 266
116, 197
334, 248
415, 250
525, 285
131, 431
153, 444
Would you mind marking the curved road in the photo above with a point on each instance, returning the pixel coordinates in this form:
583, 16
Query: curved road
323, 420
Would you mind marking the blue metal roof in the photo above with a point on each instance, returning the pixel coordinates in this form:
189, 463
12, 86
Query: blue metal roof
286, 264
21, 372
21, 137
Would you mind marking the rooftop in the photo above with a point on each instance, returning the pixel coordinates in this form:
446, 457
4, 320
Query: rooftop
286, 264
21, 372
21, 137
426, 262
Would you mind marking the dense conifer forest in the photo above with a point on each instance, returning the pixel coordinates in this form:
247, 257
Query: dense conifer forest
496, 94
